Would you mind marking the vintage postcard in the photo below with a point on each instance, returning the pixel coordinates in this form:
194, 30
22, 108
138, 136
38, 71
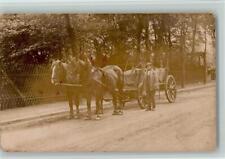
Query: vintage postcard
108, 82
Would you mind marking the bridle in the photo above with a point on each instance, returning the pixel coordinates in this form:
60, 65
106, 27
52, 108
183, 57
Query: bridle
60, 72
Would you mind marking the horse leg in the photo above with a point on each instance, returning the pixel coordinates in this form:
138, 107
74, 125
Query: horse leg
99, 98
97, 101
88, 107
121, 103
120, 96
115, 112
101, 104
77, 103
96, 104
100, 101
70, 100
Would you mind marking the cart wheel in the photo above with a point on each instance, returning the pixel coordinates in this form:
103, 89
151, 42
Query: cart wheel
170, 89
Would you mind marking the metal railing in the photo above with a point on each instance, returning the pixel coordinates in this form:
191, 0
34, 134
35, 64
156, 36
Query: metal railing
30, 87
34, 86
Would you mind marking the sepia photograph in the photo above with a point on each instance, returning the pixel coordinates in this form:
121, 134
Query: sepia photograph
108, 82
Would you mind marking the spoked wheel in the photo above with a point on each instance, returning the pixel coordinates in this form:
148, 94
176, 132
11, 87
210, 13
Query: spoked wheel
170, 89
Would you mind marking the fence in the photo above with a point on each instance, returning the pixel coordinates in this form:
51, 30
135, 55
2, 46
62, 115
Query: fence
33, 86
30, 87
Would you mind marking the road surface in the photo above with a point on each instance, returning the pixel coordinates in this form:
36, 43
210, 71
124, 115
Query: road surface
189, 124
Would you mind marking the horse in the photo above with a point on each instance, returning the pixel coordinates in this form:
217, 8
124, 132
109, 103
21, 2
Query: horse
114, 81
99, 80
64, 73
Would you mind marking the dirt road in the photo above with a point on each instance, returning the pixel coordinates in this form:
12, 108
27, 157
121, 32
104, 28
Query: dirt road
187, 125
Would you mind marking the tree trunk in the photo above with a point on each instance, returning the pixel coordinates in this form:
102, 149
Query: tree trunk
70, 31
147, 55
204, 58
139, 31
168, 62
138, 57
183, 56
194, 34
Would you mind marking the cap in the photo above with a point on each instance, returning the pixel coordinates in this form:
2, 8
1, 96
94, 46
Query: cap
148, 64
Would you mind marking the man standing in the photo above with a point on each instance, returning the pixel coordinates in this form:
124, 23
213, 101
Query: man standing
150, 87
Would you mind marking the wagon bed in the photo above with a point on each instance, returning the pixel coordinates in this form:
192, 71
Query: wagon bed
166, 82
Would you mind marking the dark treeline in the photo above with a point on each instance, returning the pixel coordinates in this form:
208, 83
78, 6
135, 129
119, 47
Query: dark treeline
122, 39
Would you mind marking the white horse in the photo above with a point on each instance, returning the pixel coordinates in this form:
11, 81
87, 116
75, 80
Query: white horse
64, 73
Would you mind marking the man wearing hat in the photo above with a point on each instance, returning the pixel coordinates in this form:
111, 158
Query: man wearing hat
150, 87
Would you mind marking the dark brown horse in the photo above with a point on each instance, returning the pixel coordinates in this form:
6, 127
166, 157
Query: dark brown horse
98, 80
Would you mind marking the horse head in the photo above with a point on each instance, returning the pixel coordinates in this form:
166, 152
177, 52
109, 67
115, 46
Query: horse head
58, 72
82, 68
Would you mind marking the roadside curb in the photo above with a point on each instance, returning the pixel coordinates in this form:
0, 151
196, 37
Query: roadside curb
196, 88
64, 113
46, 117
